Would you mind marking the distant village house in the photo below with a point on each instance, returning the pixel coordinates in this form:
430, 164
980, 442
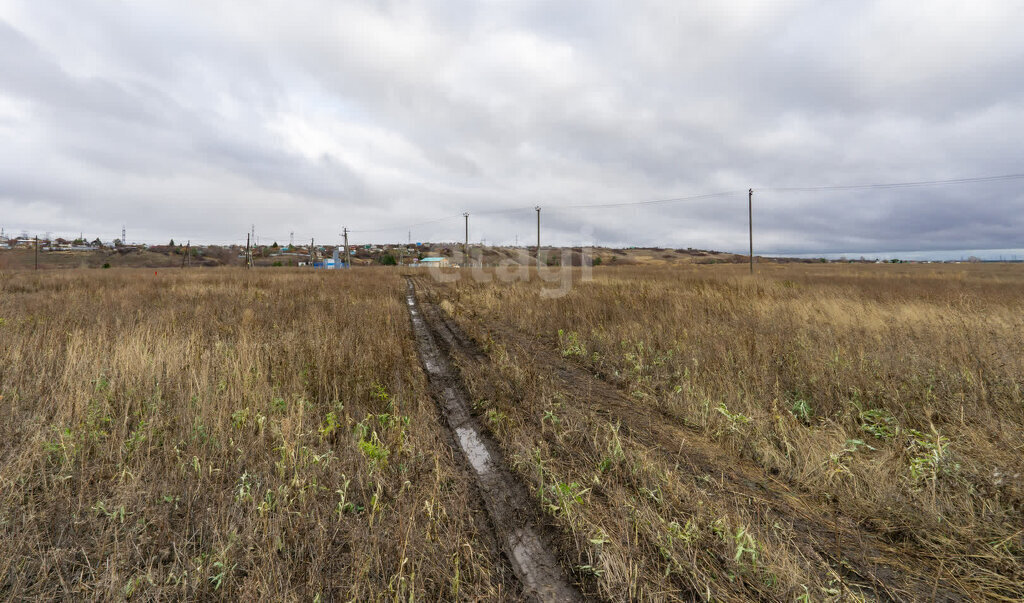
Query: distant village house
436, 262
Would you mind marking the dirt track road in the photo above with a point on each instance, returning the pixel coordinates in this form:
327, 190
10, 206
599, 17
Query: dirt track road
515, 524
867, 564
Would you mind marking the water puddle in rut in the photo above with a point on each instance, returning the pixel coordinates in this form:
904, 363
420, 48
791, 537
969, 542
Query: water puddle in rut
507, 501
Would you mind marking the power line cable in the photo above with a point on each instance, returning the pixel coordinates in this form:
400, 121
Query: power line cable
845, 187
406, 227
509, 210
840, 187
648, 202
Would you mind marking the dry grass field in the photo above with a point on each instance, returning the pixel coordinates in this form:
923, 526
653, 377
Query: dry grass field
222, 433
816, 432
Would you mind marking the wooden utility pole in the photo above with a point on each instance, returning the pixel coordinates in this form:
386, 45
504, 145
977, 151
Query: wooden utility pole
37, 252
187, 260
311, 253
750, 223
248, 255
348, 256
465, 246
538, 234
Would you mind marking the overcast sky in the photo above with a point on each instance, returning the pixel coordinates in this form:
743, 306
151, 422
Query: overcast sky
196, 120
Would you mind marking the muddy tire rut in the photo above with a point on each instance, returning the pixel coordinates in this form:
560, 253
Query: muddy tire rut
868, 563
514, 519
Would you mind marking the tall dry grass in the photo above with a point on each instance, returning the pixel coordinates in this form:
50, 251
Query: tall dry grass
892, 393
230, 434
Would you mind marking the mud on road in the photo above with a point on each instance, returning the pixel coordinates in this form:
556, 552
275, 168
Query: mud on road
866, 564
514, 518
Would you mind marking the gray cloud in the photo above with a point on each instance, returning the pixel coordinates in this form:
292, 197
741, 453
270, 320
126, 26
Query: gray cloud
195, 120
